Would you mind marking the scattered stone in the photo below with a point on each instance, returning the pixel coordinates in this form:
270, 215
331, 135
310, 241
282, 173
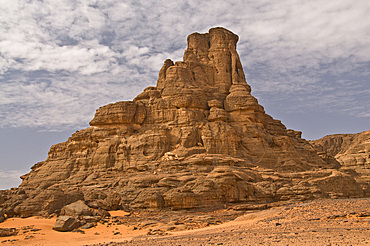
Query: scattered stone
312, 219
148, 223
88, 225
6, 232
11, 241
246, 207
159, 232
168, 228
78, 231
91, 218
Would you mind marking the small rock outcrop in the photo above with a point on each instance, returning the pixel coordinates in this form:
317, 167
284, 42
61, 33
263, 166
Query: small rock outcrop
78, 214
197, 139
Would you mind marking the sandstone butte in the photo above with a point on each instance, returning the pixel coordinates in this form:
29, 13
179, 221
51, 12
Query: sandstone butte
199, 139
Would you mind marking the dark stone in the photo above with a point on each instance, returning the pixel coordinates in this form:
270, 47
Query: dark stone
88, 225
2, 215
6, 232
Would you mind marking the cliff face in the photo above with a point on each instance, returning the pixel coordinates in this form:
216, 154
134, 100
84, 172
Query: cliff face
352, 151
348, 149
199, 138
202, 105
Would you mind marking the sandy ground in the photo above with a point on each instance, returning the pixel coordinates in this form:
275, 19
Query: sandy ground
38, 231
320, 222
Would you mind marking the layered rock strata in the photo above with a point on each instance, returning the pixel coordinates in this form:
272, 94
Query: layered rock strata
197, 139
351, 151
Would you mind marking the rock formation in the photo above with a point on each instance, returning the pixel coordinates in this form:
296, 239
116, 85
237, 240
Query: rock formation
352, 151
197, 139
77, 214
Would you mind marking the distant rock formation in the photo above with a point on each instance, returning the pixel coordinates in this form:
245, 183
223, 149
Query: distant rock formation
197, 139
352, 151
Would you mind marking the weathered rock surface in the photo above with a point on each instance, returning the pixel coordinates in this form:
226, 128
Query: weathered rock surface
351, 151
77, 214
7, 232
347, 149
77, 209
80, 210
66, 223
2, 215
197, 139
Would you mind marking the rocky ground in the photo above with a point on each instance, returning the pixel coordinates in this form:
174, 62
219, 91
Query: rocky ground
319, 222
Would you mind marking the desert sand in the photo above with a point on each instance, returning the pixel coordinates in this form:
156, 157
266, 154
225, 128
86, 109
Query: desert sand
38, 231
319, 222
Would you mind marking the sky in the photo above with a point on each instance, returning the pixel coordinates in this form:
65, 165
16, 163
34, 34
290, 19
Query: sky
308, 63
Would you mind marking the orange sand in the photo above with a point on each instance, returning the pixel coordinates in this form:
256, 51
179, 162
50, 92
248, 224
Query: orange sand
47, 236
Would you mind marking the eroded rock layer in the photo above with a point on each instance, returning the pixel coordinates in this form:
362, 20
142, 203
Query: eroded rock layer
352, 151
197, 139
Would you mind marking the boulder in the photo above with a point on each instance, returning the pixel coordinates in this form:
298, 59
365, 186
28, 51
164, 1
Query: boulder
66, 223
77, 209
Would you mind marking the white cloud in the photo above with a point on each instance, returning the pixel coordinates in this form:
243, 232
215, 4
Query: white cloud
57, 104
78, 59
59, 60
10, 178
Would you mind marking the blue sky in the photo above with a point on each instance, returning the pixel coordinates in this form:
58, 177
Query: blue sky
308, 63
